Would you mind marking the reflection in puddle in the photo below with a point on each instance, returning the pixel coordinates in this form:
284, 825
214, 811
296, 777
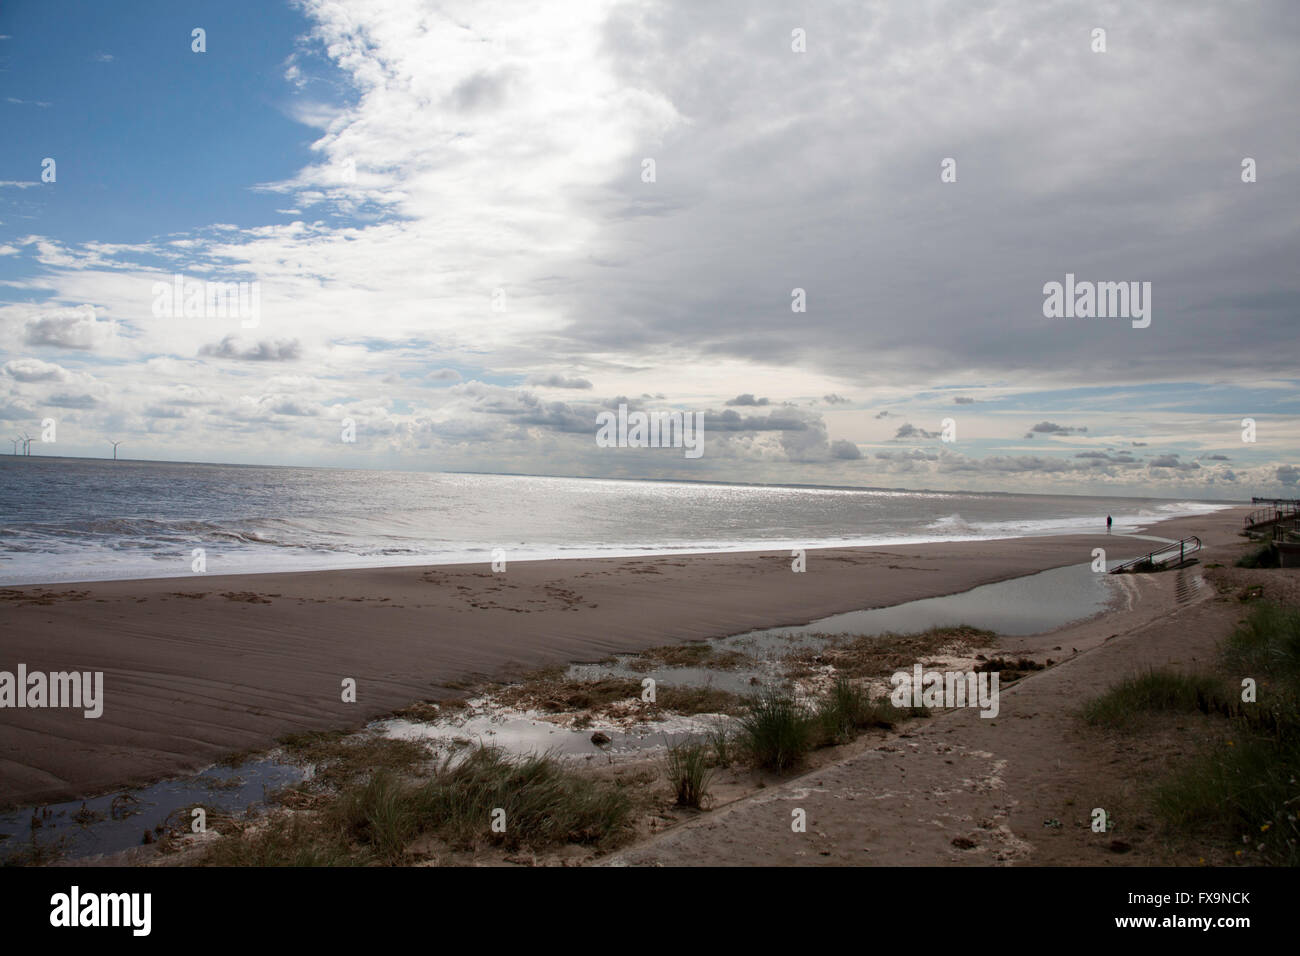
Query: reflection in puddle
1026, 605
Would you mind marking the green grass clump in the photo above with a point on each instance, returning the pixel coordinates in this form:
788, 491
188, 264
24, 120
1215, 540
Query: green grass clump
375, 820
1152, 691
339, 758
845, 709
777, 730
1246, 788
1244, 785
284, 839
689, 773
380, 815
545, 803
1267, 642
725, 747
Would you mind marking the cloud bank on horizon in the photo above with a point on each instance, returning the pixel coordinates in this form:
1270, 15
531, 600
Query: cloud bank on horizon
475, 226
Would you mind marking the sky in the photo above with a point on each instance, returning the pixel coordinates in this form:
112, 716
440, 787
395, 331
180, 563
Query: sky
829, 229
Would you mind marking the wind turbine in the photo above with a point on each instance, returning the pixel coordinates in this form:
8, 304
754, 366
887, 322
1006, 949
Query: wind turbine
15, 443
27, 444
115, 444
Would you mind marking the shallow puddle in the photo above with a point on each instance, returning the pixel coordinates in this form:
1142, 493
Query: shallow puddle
118, 821
1026, 605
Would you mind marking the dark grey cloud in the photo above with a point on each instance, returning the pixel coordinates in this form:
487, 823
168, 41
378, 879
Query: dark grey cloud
1101, 459
858, 217
72, 400
558, 381
34, 370
267, 350
747, 399
845, 450
484, 90
910, 454
69, 329
1004, 464
1051, 428
779, 419
522, 407
285, 405
908, 430
1172, 461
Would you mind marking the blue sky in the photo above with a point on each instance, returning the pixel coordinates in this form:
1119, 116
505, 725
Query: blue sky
456, 249
150, 138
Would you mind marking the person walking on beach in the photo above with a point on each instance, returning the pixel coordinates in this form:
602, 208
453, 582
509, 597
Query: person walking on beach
1108, 523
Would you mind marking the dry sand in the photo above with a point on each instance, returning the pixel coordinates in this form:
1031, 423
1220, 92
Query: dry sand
197, 667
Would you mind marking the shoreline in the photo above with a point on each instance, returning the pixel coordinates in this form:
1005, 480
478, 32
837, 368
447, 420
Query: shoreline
1140, 531
234, 662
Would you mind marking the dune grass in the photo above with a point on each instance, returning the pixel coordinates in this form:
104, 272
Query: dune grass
340, 758
725, 746
845, 709
1244, 785
1122, 706
1245, 788
776, 729
1267, 642
544, 802
539, 803
689, 772
282, 839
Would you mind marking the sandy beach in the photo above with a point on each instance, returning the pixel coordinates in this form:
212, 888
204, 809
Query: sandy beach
198, 667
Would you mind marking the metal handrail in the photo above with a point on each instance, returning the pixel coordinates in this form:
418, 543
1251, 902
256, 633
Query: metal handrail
1186, 546
1262, 516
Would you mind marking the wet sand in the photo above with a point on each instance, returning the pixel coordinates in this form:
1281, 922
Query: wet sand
200, 666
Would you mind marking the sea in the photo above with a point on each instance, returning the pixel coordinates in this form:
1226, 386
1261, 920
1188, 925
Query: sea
71, 519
